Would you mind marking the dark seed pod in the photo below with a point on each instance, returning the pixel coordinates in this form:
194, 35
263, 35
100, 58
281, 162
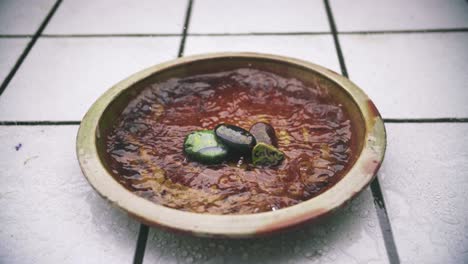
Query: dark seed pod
264, 133
235, 138
202, 146
266, 155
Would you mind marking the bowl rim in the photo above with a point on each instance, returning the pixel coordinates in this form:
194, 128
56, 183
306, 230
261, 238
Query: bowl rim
358, 177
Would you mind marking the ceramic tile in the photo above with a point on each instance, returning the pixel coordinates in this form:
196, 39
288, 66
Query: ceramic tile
351, 236
225, 16
118, 17
10, 51
22, 16
425, 185
62, 77
368, 15
411, 75
50, 214
319, 49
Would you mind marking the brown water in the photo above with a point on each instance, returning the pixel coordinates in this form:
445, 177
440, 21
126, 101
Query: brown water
145, 147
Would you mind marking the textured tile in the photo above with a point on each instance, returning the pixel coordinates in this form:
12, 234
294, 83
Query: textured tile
50, 214
425, 185
411, 75
318, 49
62, 77
225, 16
10, 51
118, 16
23, 16
367, 15
351, 236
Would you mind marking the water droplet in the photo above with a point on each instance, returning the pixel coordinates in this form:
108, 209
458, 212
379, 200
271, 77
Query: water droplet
245, 256
364, 213
354, 208
371, 223
452, 194
449, 219
296, 249
332, 256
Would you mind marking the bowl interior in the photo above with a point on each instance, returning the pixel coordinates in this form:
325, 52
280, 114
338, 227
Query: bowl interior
285, 69
370, 140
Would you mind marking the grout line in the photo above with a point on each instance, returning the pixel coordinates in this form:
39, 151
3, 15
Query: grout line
344, 71
379, 201
141, 244
16, 36
185, 28
426, 120
404, 31
384, 222
39, 123
259, 34
29, 47
304, 33
129, 35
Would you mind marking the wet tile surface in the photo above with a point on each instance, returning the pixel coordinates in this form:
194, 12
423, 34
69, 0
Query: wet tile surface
225, 16
10, 51
425, 185
411, 75
317, 49
118, 17
23, 16
352, 235
50, 214
369, 15
62, 77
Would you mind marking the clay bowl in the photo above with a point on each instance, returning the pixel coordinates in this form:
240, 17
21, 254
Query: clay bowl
103, 113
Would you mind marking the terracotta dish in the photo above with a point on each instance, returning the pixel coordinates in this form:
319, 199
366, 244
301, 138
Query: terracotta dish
130, 144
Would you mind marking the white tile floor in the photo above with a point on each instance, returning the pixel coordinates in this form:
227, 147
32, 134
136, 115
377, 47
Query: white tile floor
51, 215
19, 17
318, 48
370, 15
226, 16
419, 75
10, 51
118, 17
77, 71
